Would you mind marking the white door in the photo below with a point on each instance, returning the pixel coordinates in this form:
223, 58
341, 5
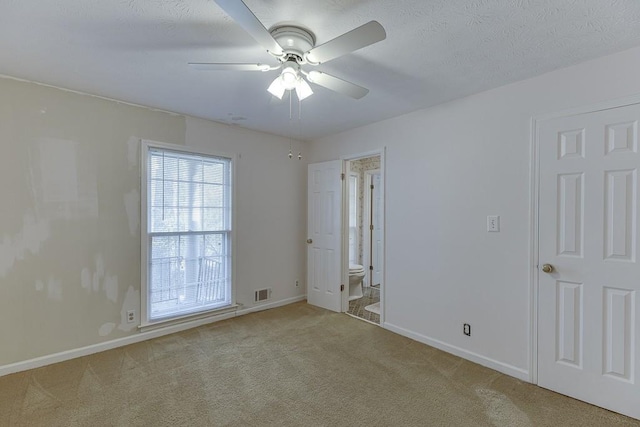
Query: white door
588, 332
324, 234
376, 235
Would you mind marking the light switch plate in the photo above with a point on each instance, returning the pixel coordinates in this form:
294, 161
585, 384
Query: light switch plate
493, 223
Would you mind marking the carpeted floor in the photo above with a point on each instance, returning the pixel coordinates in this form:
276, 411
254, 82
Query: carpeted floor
292, 366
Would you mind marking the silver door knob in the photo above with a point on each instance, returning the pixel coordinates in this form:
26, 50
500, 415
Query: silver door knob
547, 268
309, 241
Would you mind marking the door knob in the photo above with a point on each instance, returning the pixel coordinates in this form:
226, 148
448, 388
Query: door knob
309, 241
547, 268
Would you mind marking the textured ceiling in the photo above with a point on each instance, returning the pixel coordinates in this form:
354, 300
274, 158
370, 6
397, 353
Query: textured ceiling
435, 51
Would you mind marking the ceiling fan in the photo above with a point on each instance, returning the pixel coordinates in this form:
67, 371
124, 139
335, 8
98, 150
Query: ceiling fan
293, 47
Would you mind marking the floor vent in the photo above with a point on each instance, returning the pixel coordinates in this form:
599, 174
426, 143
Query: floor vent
262, 295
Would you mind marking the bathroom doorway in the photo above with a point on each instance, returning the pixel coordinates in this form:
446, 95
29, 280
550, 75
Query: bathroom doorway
364, 220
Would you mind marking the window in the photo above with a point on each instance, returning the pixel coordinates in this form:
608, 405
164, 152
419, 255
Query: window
188, 233
353, 218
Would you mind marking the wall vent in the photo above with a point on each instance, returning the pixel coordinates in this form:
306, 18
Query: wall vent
262, 295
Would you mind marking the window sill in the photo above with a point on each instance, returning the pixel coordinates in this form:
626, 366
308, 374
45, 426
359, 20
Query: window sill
162, 323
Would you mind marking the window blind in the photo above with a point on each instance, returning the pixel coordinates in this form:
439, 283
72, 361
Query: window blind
189, 225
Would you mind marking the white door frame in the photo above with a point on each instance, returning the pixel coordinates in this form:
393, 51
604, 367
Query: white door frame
366, 250
350, 174
345, 232
534, 174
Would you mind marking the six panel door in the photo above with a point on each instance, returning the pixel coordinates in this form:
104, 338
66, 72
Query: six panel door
588, 232
324, 227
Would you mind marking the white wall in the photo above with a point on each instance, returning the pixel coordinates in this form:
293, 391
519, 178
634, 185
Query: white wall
69, 206
447, 168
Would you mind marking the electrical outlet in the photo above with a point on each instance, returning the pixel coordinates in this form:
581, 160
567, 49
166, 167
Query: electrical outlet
297, 283
493, 223
131, 316
466, 329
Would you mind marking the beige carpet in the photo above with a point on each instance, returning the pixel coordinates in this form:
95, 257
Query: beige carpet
292, 366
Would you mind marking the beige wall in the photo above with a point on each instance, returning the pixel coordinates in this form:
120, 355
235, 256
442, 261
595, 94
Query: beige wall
70, 235
271, 192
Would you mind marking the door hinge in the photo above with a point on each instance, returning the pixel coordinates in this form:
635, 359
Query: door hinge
341, 288
342, 176
372, 186
371, 267
371, 227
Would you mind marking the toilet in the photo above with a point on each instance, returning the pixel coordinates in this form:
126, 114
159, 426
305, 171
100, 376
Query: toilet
356, 274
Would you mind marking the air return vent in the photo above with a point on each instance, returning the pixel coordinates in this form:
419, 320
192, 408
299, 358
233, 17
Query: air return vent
262, 295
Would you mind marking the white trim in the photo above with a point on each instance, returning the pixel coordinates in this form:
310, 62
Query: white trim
364, 155
355, 175
132, 339
521, 374
590, 108
383, 194
174, 320
145, 144
271, 305
361, 319
144, 241
534, 171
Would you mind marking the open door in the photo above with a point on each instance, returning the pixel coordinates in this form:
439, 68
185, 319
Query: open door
324, 254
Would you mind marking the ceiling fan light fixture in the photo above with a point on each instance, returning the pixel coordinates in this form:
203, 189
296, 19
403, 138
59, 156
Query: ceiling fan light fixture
289, 77
303, 90
277, 88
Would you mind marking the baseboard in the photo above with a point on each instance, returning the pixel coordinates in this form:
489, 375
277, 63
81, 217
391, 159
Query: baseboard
521, 374
39, 362
270, 305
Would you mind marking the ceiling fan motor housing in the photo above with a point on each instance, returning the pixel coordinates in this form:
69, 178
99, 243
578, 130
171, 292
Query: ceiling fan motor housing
295, 41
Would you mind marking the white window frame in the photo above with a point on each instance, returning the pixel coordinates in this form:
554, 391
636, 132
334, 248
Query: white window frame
145, 322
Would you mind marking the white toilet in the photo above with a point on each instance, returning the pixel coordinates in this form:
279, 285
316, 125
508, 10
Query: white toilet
356, 274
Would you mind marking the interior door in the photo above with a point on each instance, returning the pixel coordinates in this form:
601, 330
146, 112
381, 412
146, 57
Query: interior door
324, 235
376, 235
589, 277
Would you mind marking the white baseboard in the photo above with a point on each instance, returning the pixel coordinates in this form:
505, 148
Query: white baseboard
132, 339
521, 374
270, 305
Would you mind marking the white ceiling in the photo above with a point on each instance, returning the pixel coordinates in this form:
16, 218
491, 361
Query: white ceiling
435, 51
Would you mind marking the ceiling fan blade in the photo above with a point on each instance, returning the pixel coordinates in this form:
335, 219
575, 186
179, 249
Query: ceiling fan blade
212, 66
247, 20
365, 35
337, 85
